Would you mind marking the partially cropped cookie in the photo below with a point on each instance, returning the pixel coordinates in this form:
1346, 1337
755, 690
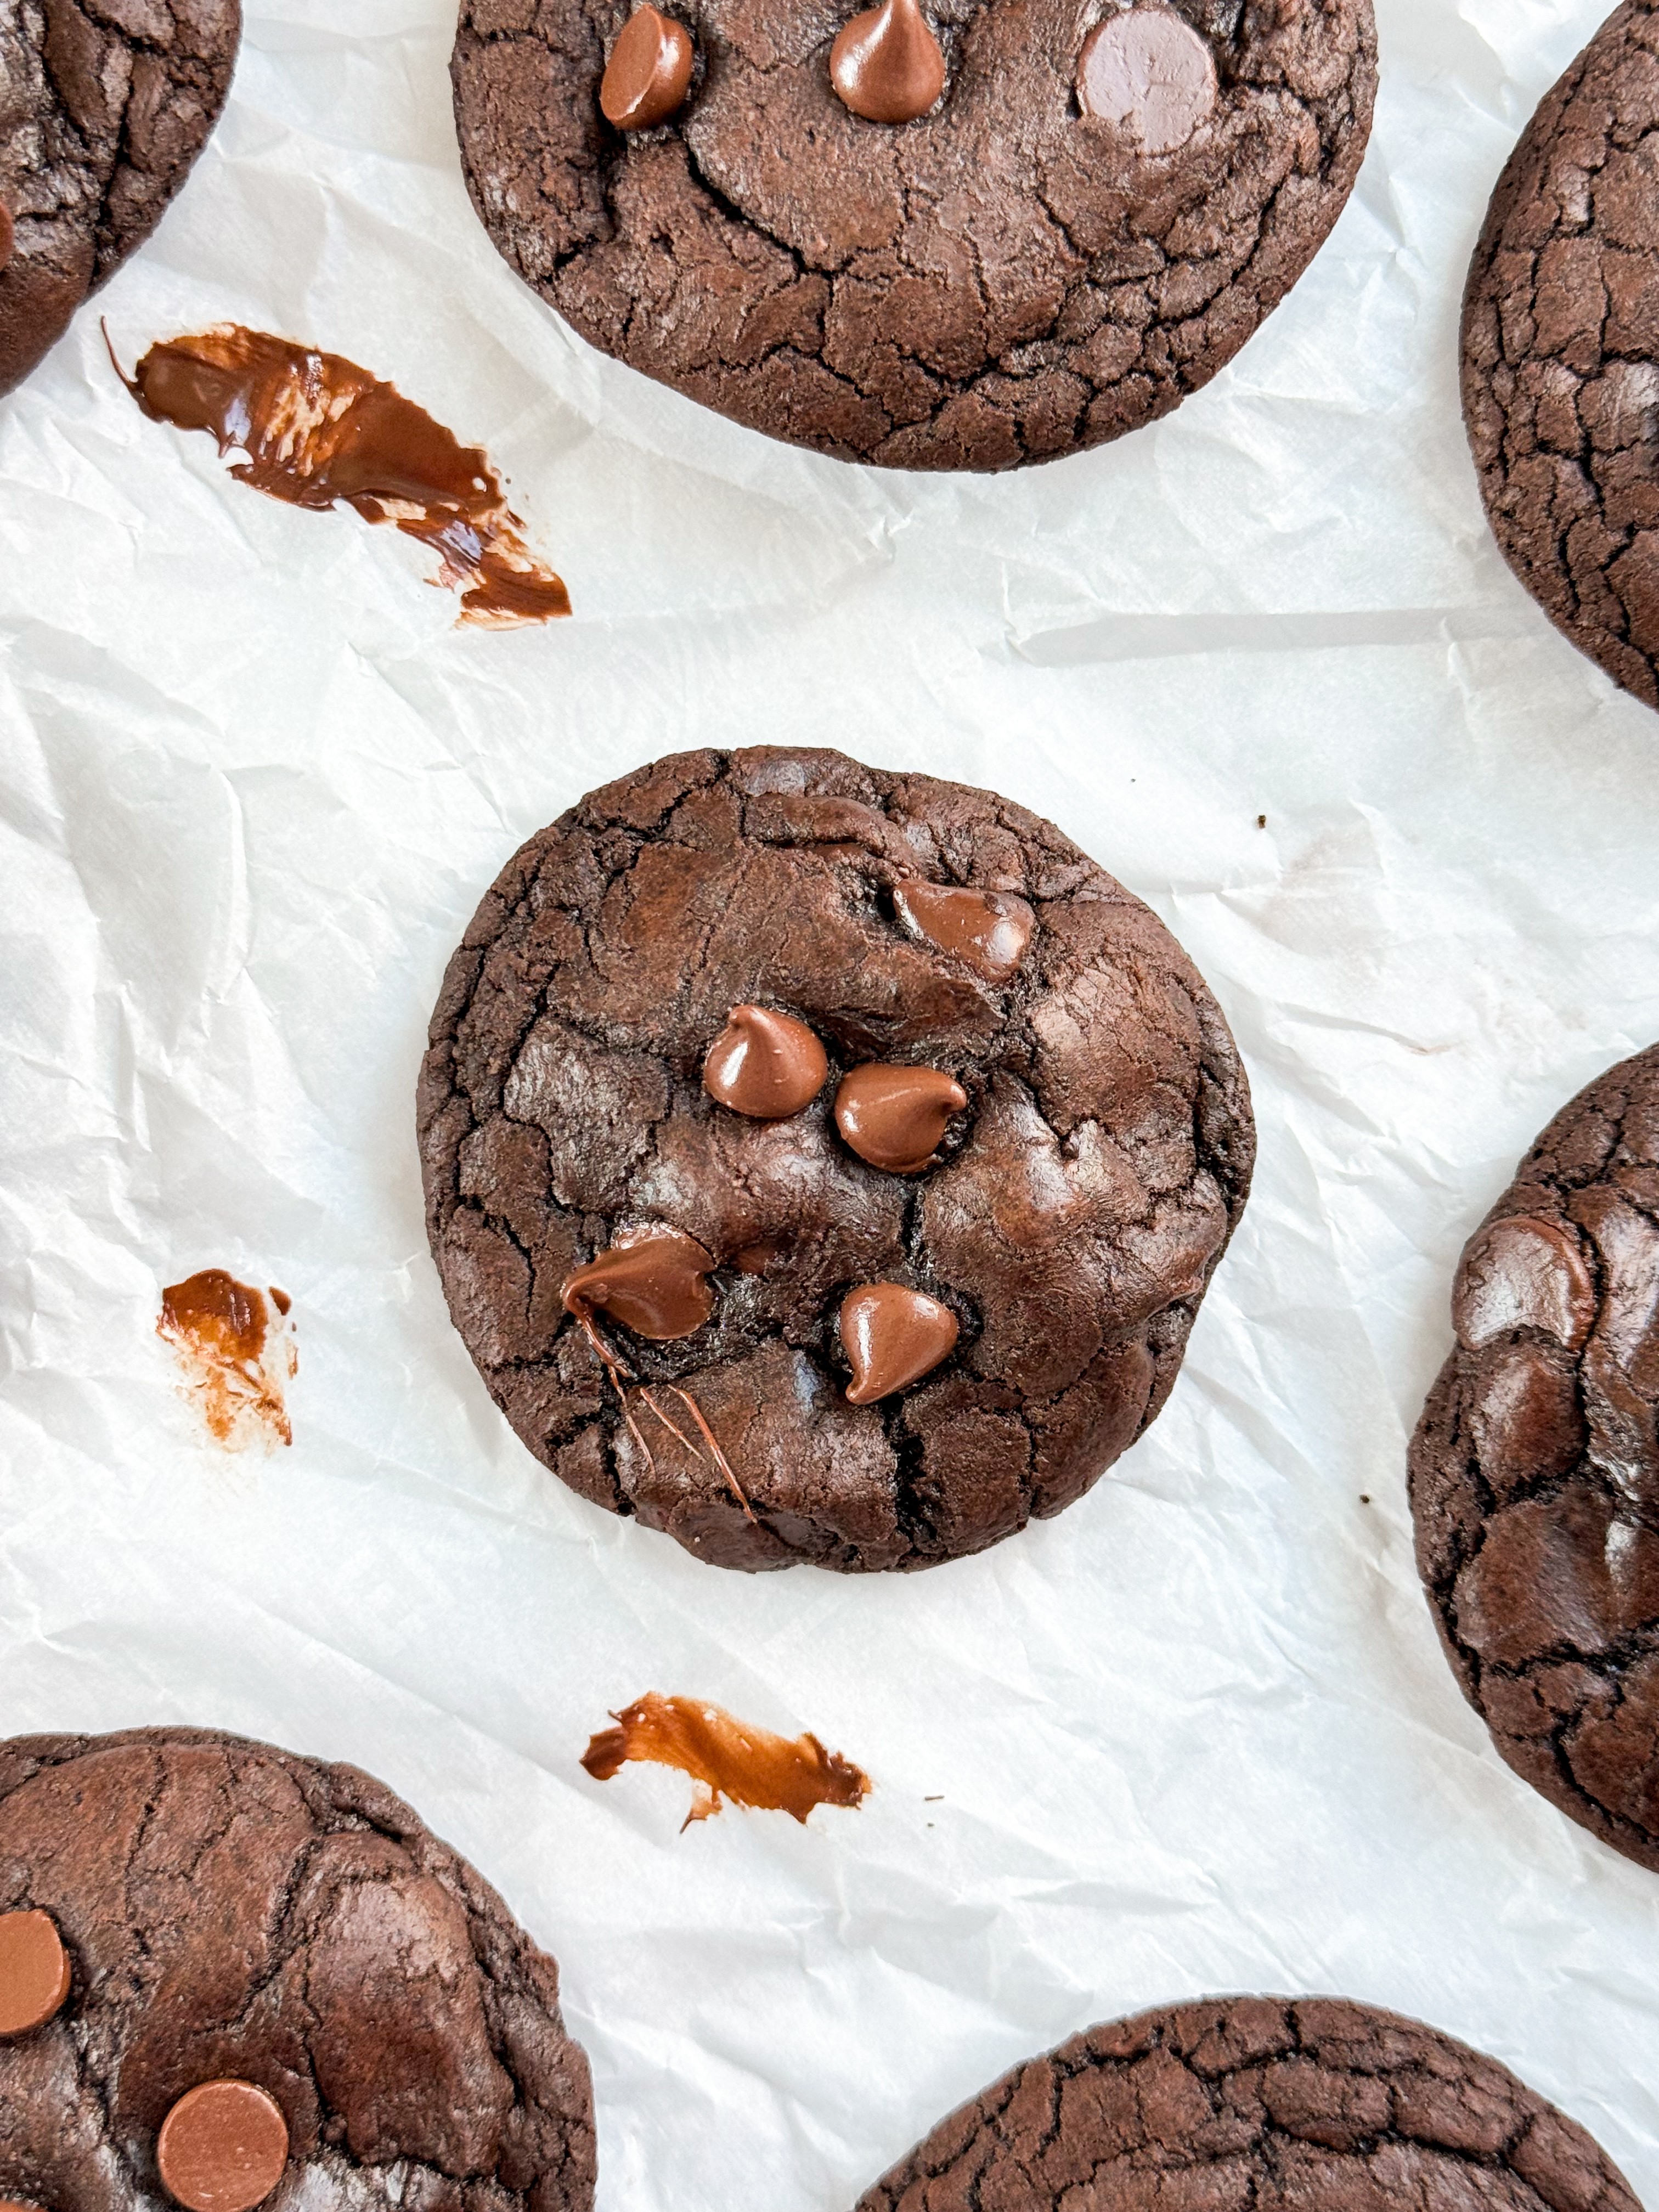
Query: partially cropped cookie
930, 234
1280, 2105
103, 109
1561, 353
825, 1165
1534, 1470
231, 1977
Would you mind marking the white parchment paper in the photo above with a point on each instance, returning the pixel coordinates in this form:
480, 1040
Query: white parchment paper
1196, 1735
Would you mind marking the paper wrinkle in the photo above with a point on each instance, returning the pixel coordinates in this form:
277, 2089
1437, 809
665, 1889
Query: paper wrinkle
1194, 1734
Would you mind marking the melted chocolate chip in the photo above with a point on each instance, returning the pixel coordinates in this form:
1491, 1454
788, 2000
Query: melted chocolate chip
8, 234
766, 1065
657, 1286
726, 1757
1523, 1273
886, 64
1150, 74
989, 930
222, 2147
650, 67
892, 1337
34, 1972
316, 429
894, 1117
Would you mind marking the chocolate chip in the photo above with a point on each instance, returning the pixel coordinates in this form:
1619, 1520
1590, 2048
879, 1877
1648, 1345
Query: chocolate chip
650, 68
886, 65
1150, 74
892, 1337
894, 1117
656, 1286
222, 2147
766, 1065
34, 1972
990, 930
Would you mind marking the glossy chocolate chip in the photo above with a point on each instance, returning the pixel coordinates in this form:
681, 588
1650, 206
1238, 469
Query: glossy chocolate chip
989, 930
763, 1064
894, 1117
650, 68
222, 2147
886, 64
1523, 1273
656, 1285
892, 1337
34, 1972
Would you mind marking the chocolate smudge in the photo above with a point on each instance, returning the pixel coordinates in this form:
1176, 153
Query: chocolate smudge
234, 1363
316, 430
726, 1759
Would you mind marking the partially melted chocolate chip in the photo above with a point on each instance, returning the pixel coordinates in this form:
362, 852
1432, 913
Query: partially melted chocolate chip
988, 929
886, 65
650, 68
34, 1972
656, 1285
894, 1117
222, 2147
1150, 73
763, 1064
8, 234
892, 1337
1523, 1273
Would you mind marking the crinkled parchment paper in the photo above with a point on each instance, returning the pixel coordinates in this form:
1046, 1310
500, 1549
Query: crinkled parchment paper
1194, 1735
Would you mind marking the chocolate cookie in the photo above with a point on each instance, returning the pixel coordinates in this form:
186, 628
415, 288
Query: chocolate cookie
823, 1165
1283, 2104
1561, 353
1534, 1470
103, 109
247, 1976
961, 236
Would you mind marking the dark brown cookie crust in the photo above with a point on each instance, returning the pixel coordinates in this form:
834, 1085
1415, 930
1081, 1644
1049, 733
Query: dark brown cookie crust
1560, 343
1001, 281
232, 1910
1303, 2105
104, 106
560, 1104
1534, 1470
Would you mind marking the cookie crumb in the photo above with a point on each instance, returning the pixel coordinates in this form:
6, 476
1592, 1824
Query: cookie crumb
1261, 821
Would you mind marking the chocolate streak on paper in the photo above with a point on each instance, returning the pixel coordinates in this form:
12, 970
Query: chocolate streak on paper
220, 1329
316, 429
726, 1759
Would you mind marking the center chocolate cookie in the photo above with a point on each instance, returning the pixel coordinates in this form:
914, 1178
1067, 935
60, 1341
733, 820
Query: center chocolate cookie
228, 1975
1274, 2104
1534, 1470
934, 233
825, 1165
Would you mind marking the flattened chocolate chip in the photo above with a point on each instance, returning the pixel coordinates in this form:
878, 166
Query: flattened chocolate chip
1523, 1273
656, 1285
650, 68
34, 1972
886, 65
222, 2147
990, 930
766, 1065
1150, 74
894, 1117
892, 1337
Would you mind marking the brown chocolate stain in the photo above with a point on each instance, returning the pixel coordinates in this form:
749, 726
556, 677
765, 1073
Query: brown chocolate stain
235, 1364
726, 1759
316, 428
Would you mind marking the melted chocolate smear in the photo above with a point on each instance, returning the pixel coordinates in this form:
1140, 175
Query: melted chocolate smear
235, 1364
725, 1758
316, 430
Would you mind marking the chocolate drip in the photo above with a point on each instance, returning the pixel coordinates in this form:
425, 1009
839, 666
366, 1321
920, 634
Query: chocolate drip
650, 67
886, 64
316, 429
894, 1117
892, 1337
726, 1757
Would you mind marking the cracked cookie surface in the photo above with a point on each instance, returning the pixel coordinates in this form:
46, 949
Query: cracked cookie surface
1534, 1470
1069, 1223
1561, 353
1263, 2102
233, 1912
103, 107
1003, 280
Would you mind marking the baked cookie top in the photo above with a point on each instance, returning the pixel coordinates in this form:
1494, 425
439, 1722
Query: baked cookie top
1095, 214
1275, 2103
1534, 1470
256, 1978
824, 1164
1561, 353
104, 106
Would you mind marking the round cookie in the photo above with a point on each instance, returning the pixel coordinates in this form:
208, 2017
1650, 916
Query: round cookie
280, 1988
1560, 353
103, 109
1051, 1145
1534, 1470
1283, 2104
1096, 214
